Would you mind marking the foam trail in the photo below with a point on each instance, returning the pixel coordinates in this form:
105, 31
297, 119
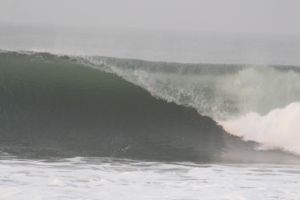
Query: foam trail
280, 128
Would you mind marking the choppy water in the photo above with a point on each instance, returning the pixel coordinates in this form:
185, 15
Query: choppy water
105, 178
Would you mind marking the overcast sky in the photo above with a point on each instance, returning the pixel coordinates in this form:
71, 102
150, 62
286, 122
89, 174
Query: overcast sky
258, 16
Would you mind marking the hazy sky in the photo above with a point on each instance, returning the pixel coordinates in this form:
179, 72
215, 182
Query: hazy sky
275, 16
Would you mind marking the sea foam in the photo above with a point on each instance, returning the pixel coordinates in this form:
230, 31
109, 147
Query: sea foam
280, 128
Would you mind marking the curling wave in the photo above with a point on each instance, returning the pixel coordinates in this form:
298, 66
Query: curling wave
59, 105
246, 100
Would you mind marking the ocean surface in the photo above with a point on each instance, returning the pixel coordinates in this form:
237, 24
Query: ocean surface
106, 178
91, 126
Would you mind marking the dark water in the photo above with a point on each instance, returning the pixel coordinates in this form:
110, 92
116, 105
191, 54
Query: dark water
56, 106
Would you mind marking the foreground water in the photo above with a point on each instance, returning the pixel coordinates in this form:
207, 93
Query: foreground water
105, 178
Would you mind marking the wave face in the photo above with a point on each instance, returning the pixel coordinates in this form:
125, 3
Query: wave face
243, 99
52, 105
100, 106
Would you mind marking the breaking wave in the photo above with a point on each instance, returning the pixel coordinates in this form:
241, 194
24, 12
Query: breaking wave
64, 100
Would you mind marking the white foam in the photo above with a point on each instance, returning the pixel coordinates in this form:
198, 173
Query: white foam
6, 193
96, 179
57, 182
280, 128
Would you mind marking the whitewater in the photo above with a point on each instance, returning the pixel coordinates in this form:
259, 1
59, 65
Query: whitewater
106, 178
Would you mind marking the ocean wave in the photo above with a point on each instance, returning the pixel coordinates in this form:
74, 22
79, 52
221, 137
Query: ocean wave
61, 104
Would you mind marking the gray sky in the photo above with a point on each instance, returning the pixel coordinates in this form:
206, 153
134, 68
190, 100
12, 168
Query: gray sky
258, 16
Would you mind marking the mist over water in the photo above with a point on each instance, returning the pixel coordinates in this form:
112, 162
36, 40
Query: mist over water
156, 45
